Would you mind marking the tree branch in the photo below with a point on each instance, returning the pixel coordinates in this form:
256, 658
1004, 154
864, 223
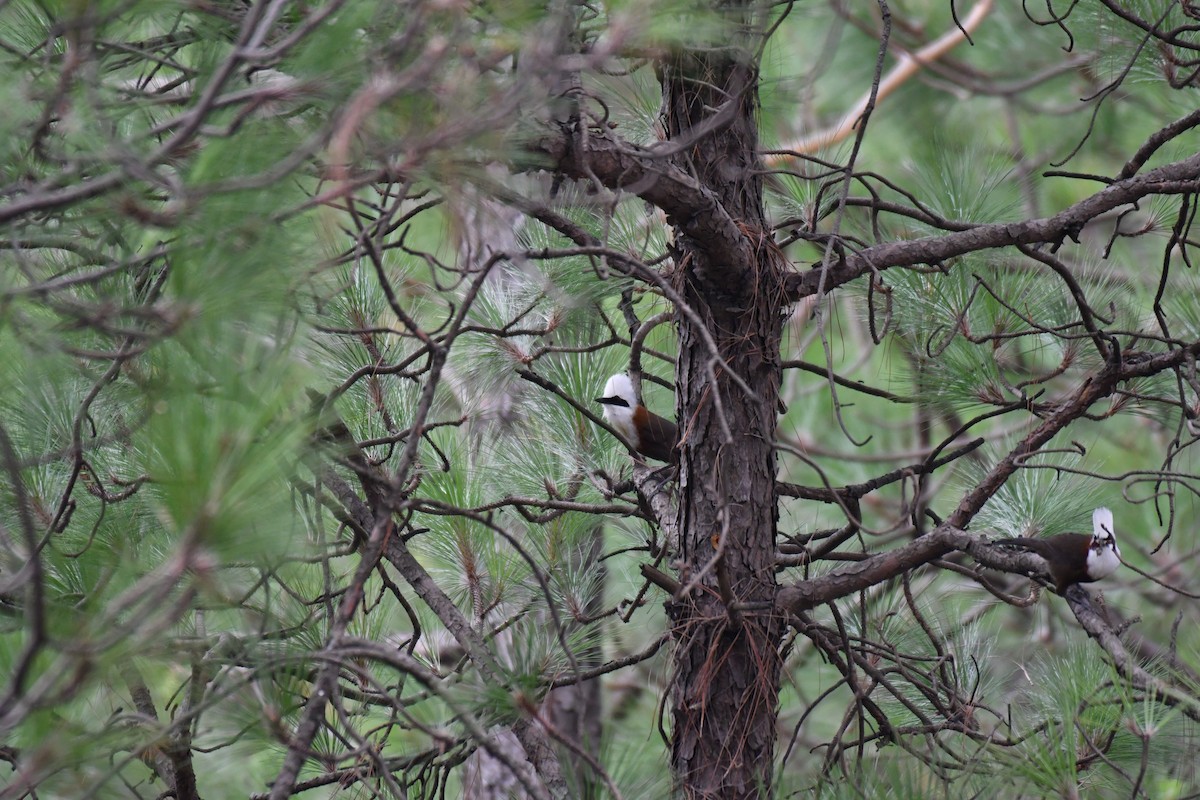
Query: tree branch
1095, 623
1176, 178
689, 205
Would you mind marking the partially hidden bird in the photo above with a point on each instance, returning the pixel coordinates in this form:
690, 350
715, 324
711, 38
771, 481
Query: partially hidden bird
1076, 557
650, 434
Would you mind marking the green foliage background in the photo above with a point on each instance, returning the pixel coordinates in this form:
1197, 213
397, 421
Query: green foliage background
162, 336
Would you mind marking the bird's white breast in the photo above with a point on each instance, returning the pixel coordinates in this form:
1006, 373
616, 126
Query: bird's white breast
621, 418
1102, 563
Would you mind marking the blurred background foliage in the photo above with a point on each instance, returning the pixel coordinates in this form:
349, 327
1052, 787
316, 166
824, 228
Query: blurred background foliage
213, 213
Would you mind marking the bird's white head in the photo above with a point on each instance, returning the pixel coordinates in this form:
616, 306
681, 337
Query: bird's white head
619, 403
1104, 556
1102, 526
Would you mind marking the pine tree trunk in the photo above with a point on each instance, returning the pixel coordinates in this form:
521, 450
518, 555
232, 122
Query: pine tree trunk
726, 670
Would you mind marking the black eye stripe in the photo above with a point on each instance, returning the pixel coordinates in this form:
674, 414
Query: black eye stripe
613, 401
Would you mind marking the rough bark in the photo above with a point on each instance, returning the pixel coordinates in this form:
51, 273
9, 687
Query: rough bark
726, 670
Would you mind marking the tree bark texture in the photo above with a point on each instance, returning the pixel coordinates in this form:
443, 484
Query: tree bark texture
725, 685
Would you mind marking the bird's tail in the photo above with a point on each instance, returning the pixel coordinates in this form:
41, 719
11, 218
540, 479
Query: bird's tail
1019, 543
1102, 522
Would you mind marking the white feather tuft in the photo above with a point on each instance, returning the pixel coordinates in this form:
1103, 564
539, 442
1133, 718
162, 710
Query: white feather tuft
1102, 523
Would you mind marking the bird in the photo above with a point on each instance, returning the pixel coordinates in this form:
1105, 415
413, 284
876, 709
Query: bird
1076, 557
650, 434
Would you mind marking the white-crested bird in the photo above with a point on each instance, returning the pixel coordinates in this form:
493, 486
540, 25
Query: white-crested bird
650, 434
1076, 557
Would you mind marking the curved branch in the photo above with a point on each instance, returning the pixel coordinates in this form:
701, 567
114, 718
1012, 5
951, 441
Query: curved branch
907, 65
689, 205
1094, 622
1177, 178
